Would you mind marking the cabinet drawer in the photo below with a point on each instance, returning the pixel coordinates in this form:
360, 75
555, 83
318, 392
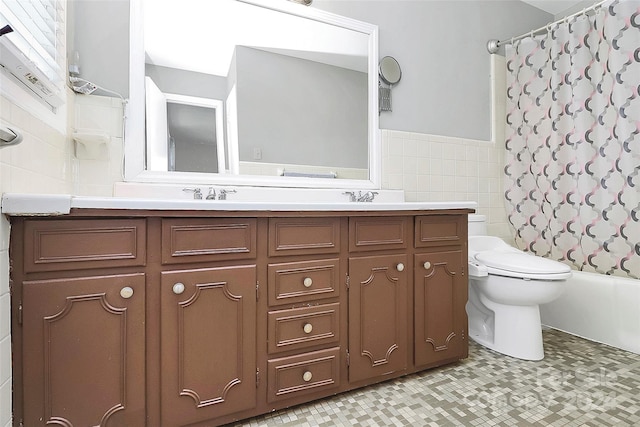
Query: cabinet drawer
304, 374
300, 328
294, 282
77, 244
439, 230
304, 236
207, 239
367, 234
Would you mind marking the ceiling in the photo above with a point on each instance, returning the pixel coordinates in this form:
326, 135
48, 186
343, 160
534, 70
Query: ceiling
553, 7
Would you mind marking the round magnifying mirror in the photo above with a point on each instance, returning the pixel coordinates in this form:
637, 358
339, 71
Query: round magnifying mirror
389, 70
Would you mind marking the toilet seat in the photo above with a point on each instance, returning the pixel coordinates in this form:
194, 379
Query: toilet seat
522, 265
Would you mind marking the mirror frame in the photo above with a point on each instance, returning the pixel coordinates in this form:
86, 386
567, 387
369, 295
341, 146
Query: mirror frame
134, 137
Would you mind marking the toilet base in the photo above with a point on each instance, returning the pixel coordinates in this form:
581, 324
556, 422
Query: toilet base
517, 331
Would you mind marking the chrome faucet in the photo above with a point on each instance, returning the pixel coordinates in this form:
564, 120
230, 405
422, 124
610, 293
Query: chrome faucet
361, 197
223, 194
197, 193
367, 197
212, 194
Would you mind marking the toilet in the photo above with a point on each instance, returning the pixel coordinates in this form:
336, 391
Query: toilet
506, 287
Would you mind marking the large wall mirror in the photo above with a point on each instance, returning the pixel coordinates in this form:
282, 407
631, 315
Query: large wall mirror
293, 92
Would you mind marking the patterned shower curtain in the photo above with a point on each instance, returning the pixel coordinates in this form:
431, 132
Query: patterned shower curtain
572, 182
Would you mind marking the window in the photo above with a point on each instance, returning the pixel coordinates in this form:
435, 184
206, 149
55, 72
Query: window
34, 52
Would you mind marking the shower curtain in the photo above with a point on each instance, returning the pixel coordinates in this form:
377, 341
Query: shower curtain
572, 174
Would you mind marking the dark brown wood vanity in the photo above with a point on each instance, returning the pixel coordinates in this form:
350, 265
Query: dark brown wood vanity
173, 318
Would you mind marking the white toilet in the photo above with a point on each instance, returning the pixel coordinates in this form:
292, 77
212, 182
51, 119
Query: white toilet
506, 286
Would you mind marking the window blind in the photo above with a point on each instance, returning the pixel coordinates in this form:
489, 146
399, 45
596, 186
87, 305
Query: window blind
39, 34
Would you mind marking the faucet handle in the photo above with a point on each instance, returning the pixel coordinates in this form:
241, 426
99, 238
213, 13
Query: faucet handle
223, 194
351, 194
367, 197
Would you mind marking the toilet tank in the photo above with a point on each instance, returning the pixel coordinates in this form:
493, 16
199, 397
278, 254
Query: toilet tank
477, 225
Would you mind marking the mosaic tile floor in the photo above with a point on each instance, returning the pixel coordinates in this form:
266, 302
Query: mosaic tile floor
579, 383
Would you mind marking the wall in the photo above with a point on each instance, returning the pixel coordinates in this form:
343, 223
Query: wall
99, 32
441, 48
435, 168
439, 168
100, 115
436, 42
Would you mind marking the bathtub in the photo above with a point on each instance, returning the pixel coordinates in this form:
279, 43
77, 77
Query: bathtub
600, 308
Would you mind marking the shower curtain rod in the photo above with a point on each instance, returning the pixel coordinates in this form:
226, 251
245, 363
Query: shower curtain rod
493, 45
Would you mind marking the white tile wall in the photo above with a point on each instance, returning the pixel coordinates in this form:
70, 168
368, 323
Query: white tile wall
102, 114
41, 162
431, 168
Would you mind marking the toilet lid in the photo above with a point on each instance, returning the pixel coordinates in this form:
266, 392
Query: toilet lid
520, 262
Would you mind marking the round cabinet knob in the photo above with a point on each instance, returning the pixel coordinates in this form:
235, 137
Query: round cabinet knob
178, 288
427, 265
126, 292
400, 267
308, 327
307, 376
307, 282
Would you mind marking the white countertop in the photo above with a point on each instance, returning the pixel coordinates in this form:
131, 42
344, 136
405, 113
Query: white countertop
61, 204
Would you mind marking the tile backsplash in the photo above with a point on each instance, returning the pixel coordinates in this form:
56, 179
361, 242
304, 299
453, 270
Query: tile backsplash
431, 168
41, 163
102, 115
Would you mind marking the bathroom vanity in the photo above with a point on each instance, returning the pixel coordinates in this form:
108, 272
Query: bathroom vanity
205, 313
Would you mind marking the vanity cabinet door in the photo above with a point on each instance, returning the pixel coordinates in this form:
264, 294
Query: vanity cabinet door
440, 316
377, 316
208, 345
83, 351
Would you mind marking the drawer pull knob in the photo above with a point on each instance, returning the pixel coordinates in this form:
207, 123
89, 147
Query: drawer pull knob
178, 288
427, 265
307, 282
307, 376
126, 292
400, 266
308, 327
